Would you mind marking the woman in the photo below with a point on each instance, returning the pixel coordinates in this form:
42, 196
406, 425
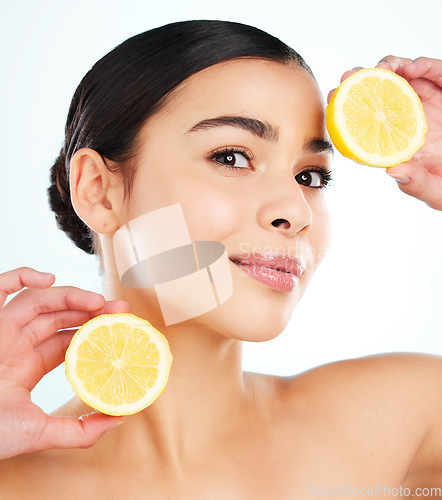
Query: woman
227, 121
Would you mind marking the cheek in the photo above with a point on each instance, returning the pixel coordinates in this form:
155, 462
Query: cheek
211, 215
320, 234
211, 212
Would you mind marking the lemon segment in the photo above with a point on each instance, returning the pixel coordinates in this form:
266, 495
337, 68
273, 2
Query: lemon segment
375, 117
118, 363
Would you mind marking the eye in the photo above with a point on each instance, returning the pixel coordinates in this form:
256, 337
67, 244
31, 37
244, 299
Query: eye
310, 179
232, 158
314, 178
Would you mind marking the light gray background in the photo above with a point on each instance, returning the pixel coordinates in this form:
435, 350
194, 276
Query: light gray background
380, 287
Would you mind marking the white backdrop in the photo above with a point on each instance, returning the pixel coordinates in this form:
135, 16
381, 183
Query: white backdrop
378, 290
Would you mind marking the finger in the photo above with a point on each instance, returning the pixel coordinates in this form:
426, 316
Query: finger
47, 324
425, 89
52, 353
31, 302
393, 63
15, 280
111, 307
330, 94
424, 67
415, 182
350, 72
343, 77
68, 432
52, 349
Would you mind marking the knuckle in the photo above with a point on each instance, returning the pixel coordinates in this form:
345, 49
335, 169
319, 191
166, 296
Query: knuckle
24, 271
27, 269
14, 275
422, 60
387, 58
58, 320
68, 289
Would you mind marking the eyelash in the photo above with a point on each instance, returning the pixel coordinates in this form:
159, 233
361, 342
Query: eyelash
325, 173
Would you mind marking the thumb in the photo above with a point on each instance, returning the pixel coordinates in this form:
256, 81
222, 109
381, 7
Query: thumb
68, 432
418, 183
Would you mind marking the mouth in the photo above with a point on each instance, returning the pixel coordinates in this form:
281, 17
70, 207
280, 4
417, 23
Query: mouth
278, 271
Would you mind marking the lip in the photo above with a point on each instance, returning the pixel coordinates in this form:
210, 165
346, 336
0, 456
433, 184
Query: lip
278, 271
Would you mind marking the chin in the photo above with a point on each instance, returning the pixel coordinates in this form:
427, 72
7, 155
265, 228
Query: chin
259, 327
257, 314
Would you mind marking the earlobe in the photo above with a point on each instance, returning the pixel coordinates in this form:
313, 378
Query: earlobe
95, 193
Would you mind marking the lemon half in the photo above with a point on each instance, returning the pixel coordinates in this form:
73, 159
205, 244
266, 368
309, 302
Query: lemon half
376, 118
118, 363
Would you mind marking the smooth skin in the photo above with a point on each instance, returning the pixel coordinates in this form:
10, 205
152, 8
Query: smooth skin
216, 432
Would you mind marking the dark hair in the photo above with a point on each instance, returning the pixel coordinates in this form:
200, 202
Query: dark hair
129, 84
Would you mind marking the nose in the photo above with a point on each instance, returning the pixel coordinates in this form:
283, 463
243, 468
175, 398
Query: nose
284, 209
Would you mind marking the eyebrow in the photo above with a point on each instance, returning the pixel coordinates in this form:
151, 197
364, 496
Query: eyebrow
261, 129
319, 145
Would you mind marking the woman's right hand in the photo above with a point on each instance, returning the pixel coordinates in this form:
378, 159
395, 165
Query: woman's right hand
33, 341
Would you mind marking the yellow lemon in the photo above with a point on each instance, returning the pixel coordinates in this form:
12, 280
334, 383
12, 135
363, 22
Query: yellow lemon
118, 363
376, 118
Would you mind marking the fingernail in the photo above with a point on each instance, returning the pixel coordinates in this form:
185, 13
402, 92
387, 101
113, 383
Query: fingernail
357, 68
400, 177
119, 302
117, 424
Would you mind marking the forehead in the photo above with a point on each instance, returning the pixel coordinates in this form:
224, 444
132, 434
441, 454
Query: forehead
282, 94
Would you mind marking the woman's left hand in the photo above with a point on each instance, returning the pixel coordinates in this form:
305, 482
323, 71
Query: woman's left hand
421, 176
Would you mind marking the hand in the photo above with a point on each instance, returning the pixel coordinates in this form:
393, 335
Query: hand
32, 343
421, 176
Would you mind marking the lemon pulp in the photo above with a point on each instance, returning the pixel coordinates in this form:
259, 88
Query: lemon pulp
118, 363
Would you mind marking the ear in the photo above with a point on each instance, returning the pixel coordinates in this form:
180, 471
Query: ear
96, 193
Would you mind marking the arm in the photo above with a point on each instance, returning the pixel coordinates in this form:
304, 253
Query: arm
33, 341
421, 176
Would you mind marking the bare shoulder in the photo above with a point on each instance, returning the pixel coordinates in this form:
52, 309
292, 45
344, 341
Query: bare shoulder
402, 378
367, 418
384, 383
416, 375
389, 405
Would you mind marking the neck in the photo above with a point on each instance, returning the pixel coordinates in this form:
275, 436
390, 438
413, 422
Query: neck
204, 392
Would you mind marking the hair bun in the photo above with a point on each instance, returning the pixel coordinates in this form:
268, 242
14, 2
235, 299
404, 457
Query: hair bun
59, 197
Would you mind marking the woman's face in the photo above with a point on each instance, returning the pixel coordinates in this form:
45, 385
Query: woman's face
249, 181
